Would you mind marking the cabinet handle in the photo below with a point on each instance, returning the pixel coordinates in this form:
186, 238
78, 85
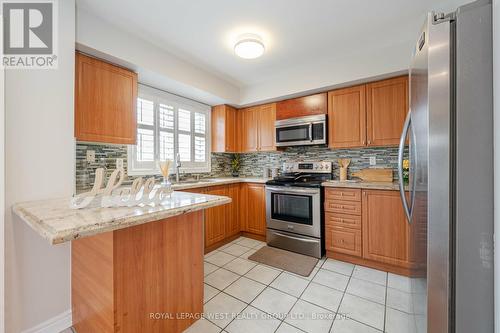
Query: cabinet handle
342, 220
369, 141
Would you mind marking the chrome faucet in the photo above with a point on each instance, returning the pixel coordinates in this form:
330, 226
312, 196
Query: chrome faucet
177, 167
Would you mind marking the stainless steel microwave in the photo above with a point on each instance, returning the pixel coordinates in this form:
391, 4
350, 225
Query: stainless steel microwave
301, 131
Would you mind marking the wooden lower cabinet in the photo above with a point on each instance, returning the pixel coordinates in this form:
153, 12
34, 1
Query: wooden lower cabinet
386, 232
374, 234
255, 221
232, 210
246, 213
215, 218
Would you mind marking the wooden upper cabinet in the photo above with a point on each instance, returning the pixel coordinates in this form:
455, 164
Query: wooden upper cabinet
224, 127
267, 133
302, 106
250, 129
385, 230
257, 128
347, 117
105, 102
386, 108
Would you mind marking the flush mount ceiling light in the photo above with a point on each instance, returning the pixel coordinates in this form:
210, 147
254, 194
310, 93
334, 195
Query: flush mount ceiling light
249, 46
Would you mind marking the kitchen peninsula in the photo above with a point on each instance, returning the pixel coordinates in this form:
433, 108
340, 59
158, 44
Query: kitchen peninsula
134, 269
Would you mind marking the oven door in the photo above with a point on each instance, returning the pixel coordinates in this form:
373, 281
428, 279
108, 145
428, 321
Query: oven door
294, 209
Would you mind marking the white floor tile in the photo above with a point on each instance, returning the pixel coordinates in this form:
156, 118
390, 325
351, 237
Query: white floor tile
209, 268
310, 318
220, 258
399, 282
263, 274
274, 302
209, 292
338, 266
399, 300
286, 328
248, 242
252, 320
323, 296
221, 278
203, 326
321, 262
371, 291
240, 266
222, 309
259, 245
248, 253
370, 274
331, 279
348, 325
397, 321
290, 284
362, 310
235, 250
245, 289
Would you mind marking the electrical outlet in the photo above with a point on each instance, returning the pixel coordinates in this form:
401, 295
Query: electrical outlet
119, 163
91, 156
373, 160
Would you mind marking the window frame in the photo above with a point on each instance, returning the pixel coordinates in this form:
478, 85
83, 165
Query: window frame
162, 97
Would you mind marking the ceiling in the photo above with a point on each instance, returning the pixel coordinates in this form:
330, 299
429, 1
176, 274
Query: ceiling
298, 34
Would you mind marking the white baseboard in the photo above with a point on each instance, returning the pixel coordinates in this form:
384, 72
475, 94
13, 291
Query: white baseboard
53, 325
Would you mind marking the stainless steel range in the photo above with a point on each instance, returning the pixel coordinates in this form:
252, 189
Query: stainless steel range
294, 210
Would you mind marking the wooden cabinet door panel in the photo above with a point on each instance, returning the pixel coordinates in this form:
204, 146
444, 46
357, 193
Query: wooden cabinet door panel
384, 227
224, 126
343, 240
347, 194
256, 209
347, 117
105, 102
266, 119
232, 210
302, 106
250, 130
343, 220
343, 207
215, 218
230, 130
386, 108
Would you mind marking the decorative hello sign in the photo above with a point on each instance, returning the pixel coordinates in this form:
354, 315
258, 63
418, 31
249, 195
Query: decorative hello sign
140, 193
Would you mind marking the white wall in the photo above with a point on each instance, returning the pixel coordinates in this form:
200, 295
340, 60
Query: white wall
496, 120
40, 163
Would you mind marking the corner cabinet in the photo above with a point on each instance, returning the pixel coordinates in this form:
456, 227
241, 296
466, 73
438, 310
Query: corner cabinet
368, 115
257, 128
105, 102
224, 129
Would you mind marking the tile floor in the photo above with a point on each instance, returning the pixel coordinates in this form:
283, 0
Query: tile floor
243, 296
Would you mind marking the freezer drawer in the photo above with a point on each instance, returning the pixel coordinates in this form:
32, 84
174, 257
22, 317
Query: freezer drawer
308, 246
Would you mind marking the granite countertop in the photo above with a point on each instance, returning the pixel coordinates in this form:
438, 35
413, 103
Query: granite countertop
363, 184
204, 182
56, 222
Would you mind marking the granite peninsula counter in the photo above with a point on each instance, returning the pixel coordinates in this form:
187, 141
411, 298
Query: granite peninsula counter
129, 264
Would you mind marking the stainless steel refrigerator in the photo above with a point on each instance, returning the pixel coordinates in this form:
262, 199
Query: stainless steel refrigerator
450, 198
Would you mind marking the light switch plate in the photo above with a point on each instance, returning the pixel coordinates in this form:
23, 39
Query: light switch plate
91, 156
373, 160
119, 163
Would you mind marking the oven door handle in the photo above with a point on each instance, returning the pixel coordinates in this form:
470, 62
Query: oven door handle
295, 238
291, 190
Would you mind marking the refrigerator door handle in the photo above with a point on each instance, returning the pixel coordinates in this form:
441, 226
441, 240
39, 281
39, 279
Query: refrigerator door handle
402, 140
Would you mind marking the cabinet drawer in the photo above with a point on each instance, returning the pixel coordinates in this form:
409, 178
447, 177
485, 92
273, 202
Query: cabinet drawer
343, 220
343, 207
343, 240
347, 194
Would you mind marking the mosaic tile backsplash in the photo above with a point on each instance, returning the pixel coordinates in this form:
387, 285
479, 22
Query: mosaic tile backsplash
252, 164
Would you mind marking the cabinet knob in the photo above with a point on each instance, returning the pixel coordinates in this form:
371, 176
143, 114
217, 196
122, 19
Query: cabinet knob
369, 141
